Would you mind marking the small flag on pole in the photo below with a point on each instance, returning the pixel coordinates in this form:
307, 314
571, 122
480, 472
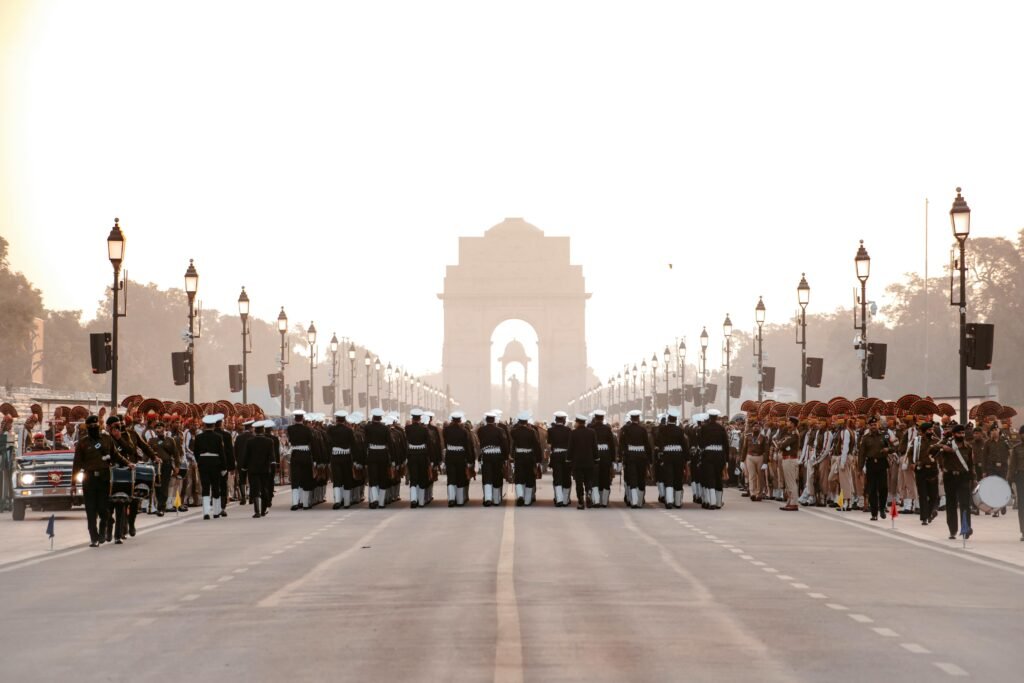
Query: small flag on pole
893, 512
50, 530
839, 500
177, 502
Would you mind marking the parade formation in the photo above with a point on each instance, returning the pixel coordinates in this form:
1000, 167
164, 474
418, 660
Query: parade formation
910, 455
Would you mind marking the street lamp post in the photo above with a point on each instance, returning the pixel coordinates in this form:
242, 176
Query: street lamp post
311, 338
759, 319
376, 370
282, 327
388, 372
243, 312
668, 364
334, 373
703, 367
643, 384
115, 252
633, 396
960, 217
681, 368
803, 297
191, 287
352, 376
654, 382
727, 331
863, 263
366, 364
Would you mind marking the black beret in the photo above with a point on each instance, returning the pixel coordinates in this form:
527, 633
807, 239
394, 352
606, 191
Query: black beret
92, 420
113, 419
958, 429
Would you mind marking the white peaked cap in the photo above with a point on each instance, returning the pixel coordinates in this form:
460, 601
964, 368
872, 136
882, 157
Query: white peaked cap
523, 416
416, 412
457, 415
581, 417
600, 413
674, 412
341, 413
714, 412
210, 419
376, 412
298, 412
561, 413
633, 413
352, 419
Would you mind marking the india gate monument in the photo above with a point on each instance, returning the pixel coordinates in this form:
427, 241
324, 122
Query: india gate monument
514, 271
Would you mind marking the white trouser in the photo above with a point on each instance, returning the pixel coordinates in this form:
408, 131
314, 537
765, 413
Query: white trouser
296, 496
661, 489
206, 505
670, 494
558, 494
305, 499
605, 495
216, 506
679, 499
488, 492
460, 495
497, 493
634, 496
337, 494
452, 488
520, 491
595, 496
381, 495
529, 495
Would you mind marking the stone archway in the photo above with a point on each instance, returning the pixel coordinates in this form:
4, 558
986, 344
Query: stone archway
514, 271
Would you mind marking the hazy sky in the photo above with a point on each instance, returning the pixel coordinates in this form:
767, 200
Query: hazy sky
327, 155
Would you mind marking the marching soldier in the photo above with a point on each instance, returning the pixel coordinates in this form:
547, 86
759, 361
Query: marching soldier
229, 465
602, 484
300, 436
561, 474
209, 449
342, 438
583, 457
94, 454
714, 446
458, 457
259, 452
239, 448
378, 458
434, 451
957, 462
635, 451
920, 455
674, 448
873, 462
417, 436
755, 445
527, 458
494, 452
789, 454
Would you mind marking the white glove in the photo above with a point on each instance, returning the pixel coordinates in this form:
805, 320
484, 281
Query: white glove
223, 473
764, 468
903, 466
864, 469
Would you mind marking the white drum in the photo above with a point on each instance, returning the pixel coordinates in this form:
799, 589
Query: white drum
991, 494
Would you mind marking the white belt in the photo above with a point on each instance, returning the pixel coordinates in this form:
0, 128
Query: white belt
211, 455
673, 449
455, 448
417, 447
377, 447
559, 450
524, 450
636, 449
491, 450
602, 446
300, 448
714, 448
340, 451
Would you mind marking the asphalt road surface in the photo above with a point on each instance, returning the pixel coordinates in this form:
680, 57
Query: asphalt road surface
508, 594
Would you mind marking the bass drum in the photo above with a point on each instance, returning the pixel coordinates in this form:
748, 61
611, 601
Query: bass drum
991, 494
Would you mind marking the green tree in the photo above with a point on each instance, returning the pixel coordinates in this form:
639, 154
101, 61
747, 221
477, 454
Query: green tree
20, 305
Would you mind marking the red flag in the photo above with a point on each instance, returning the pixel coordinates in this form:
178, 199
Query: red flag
893, 510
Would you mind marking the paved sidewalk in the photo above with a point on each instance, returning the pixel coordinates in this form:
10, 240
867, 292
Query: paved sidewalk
996, 539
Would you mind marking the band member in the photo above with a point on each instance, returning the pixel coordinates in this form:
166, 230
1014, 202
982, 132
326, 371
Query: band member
674, 448
341, 439
714, 446
561, 472
259, 451
434, 452
957, 463
167, 452
417, 436
209, 448
94, 454
458, 457
606, 450
527, 459
920, 457
229, 466
583, 457
300, 436
238, 448
494, 452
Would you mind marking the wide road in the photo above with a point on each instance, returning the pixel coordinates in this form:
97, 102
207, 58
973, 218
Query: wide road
509, 594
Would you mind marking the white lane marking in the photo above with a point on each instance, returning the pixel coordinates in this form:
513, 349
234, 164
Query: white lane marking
734, 630
226, 578
265, 558
710, 537
144, 621
508, 647
801, 586
241, 570
719, 541
888, 533
307, 538
817, 596
758, 563
735, 550
256, 562
278, 552
746, 557
836, 606
915, 648
861, 618
208, 587
770, 570
275, 598
785, 577
190, 597
168, 608
950, 668
885, 632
